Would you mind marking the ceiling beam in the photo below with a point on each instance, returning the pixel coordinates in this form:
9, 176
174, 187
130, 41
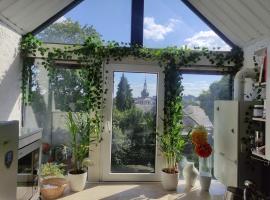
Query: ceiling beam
137, 17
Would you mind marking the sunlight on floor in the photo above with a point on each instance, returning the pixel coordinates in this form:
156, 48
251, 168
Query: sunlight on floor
146, 191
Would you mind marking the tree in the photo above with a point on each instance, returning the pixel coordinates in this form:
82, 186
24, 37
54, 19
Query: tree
67, 31
67, 84
219, 90
124, 99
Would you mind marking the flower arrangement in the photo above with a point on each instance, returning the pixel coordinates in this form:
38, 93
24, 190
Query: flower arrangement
199, 139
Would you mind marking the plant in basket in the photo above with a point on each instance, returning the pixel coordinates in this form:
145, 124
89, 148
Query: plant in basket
52, 181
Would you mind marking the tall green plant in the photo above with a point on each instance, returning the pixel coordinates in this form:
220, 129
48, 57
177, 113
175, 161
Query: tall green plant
83, 133
172, 141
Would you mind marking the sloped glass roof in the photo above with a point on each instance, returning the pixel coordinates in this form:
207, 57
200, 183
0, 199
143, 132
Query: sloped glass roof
166, 23
171, 23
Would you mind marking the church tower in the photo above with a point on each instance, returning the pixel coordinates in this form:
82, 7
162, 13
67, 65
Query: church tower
144, 92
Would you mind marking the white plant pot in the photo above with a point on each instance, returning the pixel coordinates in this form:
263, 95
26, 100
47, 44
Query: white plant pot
190, 174
169, 181
77, 181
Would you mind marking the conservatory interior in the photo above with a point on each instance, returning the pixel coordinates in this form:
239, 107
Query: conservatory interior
134, 99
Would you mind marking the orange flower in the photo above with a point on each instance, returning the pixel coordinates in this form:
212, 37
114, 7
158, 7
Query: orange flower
199, 135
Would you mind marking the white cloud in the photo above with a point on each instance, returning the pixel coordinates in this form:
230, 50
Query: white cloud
156, 32
195, 88
207, 39
61, 20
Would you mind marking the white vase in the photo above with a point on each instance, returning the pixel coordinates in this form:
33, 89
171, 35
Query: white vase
190, 174
77, 181
205, 172
205, 182
169, 181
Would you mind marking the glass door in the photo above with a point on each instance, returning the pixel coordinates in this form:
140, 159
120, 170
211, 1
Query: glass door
132, 109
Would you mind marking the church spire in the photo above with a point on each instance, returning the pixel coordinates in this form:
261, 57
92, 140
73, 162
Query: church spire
144, 92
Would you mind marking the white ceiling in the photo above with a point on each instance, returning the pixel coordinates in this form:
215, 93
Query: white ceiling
26, 15
241, 21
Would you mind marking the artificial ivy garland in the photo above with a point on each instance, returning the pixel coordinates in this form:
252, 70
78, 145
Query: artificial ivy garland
94, 53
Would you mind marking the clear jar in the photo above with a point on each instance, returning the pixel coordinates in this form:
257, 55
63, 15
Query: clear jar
258, 111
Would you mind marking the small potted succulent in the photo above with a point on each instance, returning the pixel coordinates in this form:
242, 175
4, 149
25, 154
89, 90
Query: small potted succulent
84, 132
203, 149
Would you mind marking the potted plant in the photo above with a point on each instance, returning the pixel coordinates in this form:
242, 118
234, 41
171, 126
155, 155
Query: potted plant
53, 183
171, 144
84, 132
204, 150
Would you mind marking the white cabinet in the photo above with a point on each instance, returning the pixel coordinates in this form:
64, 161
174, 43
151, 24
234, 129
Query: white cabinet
226, 129
225, 170
9, 133
229, 153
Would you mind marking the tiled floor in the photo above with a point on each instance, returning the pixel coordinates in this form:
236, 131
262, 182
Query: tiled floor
145, 191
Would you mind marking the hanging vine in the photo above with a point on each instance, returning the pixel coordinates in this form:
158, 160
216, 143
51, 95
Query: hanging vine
94, 53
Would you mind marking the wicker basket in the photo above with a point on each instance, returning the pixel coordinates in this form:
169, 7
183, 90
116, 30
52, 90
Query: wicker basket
55, 192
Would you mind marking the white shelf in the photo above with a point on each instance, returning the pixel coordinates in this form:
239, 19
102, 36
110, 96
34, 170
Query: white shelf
258, 119
263, 84
258, 154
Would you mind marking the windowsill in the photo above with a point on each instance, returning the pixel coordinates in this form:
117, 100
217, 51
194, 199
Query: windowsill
146, 190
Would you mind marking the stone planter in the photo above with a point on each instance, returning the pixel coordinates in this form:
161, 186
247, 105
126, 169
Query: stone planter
77, 181
169, 181
190, 174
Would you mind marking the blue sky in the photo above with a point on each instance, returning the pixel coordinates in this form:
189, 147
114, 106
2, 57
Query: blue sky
193, 84
136, 82
166, 23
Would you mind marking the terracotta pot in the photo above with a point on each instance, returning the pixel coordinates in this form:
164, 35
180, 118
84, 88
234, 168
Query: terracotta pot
77, 181
169, 181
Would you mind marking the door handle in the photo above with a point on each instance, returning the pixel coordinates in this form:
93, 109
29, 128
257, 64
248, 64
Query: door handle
232, 130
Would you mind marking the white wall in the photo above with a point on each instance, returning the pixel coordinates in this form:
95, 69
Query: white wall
10, 74
248, 58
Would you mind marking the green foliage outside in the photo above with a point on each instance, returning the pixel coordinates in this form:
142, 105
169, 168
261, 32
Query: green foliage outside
219, 90
67, 32
68, 85
133, 133
124, 99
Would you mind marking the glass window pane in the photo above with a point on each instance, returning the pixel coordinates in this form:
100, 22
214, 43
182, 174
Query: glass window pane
134, 123
52, 98
111, 20
200, 92
172, 23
